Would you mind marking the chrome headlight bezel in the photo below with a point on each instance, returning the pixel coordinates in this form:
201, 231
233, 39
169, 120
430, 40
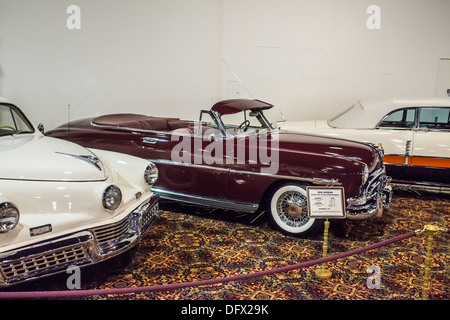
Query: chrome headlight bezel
151, 174
112, 197
9, 217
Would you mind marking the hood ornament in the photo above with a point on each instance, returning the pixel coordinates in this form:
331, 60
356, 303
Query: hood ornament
88, 158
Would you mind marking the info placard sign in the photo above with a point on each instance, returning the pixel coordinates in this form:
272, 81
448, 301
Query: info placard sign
326, 202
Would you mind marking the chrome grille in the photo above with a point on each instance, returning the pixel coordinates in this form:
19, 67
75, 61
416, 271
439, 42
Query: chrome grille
58, 259
374, 183
375, 193
148, 215
92, 245
111, 232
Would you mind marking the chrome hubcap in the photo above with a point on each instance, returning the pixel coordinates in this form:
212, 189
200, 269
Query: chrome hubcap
292, 209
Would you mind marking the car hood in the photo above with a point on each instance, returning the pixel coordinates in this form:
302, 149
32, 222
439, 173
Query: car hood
35, 157
334, 147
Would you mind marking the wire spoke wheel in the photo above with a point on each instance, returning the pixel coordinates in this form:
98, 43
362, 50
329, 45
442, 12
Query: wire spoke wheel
288, 210
292, 209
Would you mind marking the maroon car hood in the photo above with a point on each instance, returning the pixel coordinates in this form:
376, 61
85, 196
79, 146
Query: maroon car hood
339, 148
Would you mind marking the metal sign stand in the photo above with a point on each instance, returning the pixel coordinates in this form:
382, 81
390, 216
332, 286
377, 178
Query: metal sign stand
325, 203
323, 272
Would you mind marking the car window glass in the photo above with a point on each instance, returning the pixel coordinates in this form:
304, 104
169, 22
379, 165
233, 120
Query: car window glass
435, 118
207, 120
12, 121
236, 119
21, 125
403, 118
346, 119
245, 122
6, 120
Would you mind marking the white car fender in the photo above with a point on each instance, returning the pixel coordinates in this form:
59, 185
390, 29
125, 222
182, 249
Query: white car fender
126, 169
396, 141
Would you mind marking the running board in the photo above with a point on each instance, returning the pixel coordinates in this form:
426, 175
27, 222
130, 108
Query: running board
205, 201
421, 188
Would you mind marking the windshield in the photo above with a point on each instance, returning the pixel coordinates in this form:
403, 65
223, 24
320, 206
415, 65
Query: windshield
347, 117
243, 122
13, 121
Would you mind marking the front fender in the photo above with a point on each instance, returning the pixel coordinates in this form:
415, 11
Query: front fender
125, 169
347, 172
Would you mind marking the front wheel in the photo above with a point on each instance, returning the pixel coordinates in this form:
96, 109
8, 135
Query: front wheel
288, 211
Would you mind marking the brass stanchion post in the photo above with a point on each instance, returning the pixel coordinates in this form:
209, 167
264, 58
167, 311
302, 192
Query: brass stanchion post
323, 272
426, 283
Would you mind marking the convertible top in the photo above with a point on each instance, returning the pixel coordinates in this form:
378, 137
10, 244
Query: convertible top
237, 105
136, 121
144, 122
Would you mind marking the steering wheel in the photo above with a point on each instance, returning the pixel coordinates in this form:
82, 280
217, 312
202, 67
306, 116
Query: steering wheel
244, 125
8, 127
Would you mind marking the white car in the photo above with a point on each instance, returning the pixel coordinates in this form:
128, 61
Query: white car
63, 205
415, 136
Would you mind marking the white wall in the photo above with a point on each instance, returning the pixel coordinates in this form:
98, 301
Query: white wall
153, 57
311, 58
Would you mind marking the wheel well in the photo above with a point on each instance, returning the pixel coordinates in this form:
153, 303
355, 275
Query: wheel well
275, 185
307, 227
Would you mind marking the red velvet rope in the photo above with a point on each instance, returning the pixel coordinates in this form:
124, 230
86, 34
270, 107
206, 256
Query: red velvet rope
84, 293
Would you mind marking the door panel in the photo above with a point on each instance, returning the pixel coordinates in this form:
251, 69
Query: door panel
432, 138
430, 156
182, 166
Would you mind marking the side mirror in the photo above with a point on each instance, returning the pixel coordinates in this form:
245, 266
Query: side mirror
41, 128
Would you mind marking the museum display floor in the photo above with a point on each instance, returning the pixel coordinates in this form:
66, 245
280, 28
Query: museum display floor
189, 243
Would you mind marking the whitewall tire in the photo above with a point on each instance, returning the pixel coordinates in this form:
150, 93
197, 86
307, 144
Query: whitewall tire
288, 210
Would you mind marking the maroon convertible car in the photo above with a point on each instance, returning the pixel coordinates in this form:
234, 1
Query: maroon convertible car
233, 158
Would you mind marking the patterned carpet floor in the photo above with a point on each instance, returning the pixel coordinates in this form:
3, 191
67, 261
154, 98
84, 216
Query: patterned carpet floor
189, 243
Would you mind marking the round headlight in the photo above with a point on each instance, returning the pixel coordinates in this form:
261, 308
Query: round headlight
112, 197
151, 173
9, 217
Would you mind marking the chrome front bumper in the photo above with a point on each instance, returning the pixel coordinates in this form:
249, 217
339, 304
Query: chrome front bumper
82, 248
376, 195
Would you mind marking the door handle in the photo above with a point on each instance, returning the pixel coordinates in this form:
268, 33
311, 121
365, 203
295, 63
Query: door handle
149, 140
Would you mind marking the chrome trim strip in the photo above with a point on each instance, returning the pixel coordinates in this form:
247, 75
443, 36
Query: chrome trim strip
149, 140
184, 164
419, 156
205, 201
88, 158
316, 181
407, 152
